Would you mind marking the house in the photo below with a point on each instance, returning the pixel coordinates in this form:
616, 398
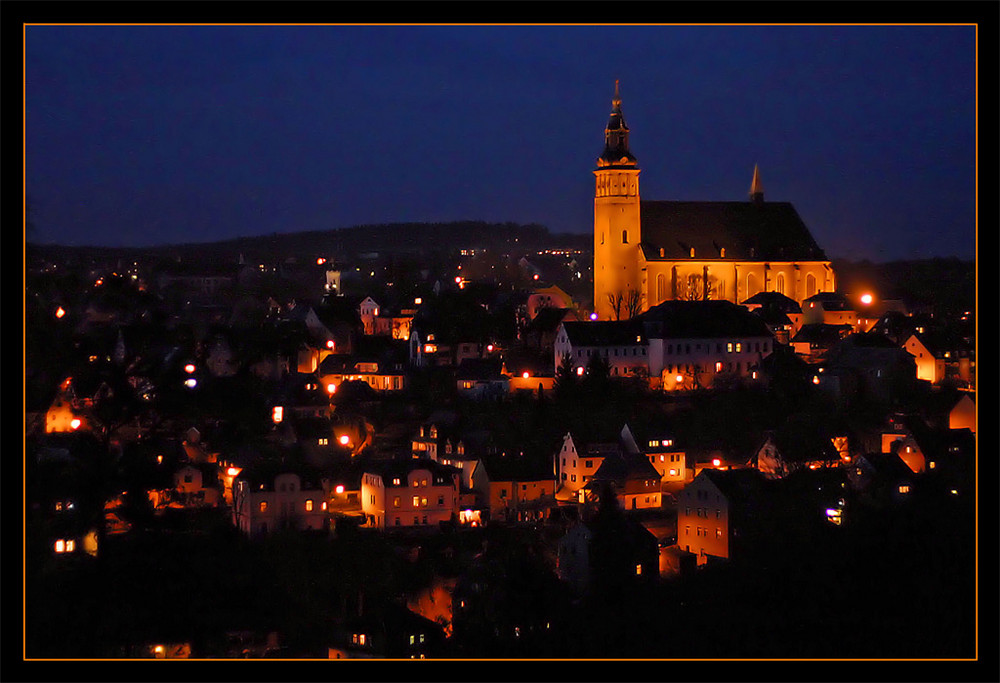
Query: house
547, 297
799, 443
315, 436
624, 554
621, 343
379, 365
718, 511
573, 552
577, 460
881, 479
410, 493
871, 368
515, 488
481, 379
941, 355
656, 442
540, 333
368, 309
196, 485
272, 496
813, 341
632, 479
387, 631
781, 314
829, 308
950, 409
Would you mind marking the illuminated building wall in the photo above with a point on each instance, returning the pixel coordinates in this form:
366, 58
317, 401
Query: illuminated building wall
659, 251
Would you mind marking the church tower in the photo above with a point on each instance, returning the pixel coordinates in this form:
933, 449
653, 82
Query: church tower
616, 223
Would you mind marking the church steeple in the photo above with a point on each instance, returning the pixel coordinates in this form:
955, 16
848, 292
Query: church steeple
756, 188
616, 151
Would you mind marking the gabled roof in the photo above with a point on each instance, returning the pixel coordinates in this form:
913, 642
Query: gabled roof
774, 301
701, 319
757, 231
480, 370
620, 466
741, 487
515, 468
605, 333
400, 468
831, 301
261, 474
800, 439
821, 333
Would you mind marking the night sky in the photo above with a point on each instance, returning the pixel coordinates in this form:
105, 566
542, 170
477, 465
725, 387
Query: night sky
145, 135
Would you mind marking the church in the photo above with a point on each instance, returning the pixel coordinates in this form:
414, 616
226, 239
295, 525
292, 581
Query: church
648, 252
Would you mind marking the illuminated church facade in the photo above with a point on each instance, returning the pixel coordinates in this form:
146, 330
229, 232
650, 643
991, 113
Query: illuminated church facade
648, 252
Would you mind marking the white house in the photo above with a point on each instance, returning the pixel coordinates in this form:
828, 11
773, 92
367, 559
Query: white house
266, 500
409, 493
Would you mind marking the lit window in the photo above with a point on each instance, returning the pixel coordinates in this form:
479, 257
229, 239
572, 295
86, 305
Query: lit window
309, 506
904, 488
638, 569
263, 506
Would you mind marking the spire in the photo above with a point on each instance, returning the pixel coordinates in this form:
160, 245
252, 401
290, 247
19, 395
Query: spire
616, 151
756, 188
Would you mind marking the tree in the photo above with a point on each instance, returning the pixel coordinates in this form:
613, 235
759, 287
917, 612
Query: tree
699, 288
616, 299
633, 302
628, 302
566, 378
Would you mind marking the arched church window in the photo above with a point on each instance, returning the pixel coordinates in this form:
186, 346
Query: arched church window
661, 287
810, 285
779, 285
624, 236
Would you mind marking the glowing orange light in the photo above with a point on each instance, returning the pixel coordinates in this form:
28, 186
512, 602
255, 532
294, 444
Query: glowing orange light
277, 414
526, 374
331, 388
233, 471
330, 345
320, 261
867, 298
418, 301
344, 440
458, 279
716, 462
75, 423
60, 312
679, 378
189, 368
815, 379
579, 370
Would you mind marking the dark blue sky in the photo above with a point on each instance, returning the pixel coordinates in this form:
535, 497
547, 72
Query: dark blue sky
141, 135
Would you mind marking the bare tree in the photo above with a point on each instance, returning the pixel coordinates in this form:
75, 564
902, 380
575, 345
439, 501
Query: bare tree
616, 299
628, 302
633, 302
698, 288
